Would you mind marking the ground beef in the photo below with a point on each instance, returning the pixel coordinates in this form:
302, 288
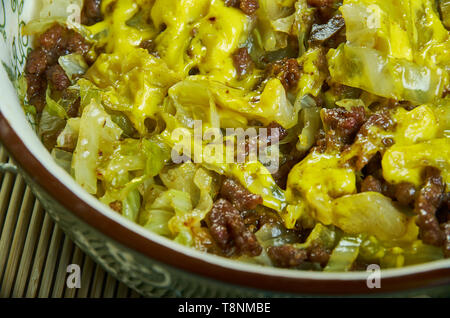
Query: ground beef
227, 228
42, 63
446, 201
204, 242
249, 7
443, 214
287, 70
373, 167
255, 219
76, 43
320, 3
318, 254
242, 62
74, 108
343, 123
36, 88
405, 193
370, 183
116, 206
239, 196
36, 62
429, 199
281, 175
382, 120
445, 227
275, 131
57, 77
91, 12
287, 256
53, 41
150, 46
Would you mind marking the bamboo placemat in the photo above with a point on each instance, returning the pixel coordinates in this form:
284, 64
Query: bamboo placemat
35, 253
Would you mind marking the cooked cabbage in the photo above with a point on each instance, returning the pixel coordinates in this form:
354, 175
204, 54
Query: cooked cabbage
395, 49
160, 74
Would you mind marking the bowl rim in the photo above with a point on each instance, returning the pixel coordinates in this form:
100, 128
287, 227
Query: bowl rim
211, 266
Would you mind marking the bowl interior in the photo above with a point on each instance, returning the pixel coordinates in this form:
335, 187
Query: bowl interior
13, 51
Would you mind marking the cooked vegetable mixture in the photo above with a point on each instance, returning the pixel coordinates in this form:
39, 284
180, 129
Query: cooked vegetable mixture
355, 94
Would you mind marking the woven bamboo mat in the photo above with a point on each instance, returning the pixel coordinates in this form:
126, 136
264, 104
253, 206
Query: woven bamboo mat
35, 253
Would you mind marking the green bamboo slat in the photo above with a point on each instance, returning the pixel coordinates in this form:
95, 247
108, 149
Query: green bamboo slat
10, 224
61, 275
40, 257
122, 291
97, 283
32, 240
35, 253
110, 287
87, 275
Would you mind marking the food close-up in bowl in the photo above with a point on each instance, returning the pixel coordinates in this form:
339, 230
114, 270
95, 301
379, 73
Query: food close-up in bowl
308, 135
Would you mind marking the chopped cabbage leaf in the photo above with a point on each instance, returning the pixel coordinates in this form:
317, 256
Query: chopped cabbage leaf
63, 159
314, 73
321, 235
374, 214
386, 76
344, 255
135, 82
234, 106
73, 65
395, 49
310, 117
97, 135
275, 20
53, 107
68, 138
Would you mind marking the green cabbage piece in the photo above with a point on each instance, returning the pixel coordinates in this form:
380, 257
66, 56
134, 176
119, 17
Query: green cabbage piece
62, 158
177, 211
192, 98
395, 49
275, 20
131, 205
310, 117
30, 111
54, 107
68, 138
321, 235
135, 83
49, 127
73, 65
385, 76
98, 135
344, 254
390, 256
127, 171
